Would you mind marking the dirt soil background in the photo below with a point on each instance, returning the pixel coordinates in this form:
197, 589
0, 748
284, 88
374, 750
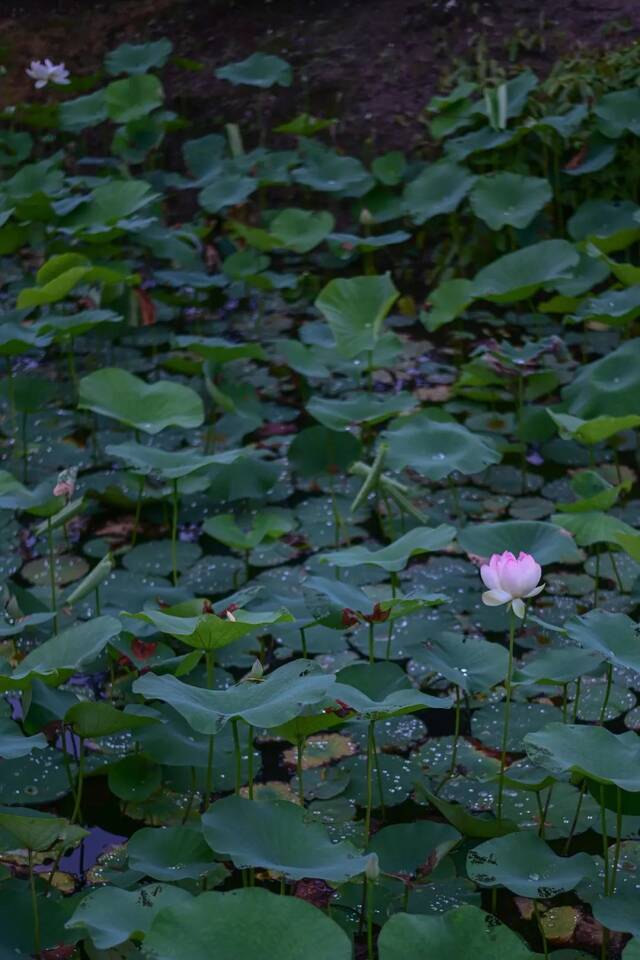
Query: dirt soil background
373, 64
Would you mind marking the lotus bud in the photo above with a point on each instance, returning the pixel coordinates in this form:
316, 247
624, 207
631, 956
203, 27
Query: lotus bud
66, 483
256, 673
372, 869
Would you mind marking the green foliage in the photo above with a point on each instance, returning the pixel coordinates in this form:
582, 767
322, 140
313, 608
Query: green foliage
261, 497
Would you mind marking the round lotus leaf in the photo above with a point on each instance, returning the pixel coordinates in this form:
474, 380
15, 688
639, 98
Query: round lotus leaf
14, 744
443, 896
82, 112
168, 464
458, 934
436, 448
544, 541
487, 723
395, 556
67, 569
360, 408
551, 667
618, 112
226, 191
64, 654
301, 230
151, 407
280, 697
110, 915
320, 450
521, 807
134, 778
608, 386
615, 307
509, 199
259, 70
379, 690
407, 847
472, 664
169, 853
278, 837
609, 761
440, 188
619, 700
617, 912
16, 339
614, 636
327, 171
16, 919
517, 276
252, 924
133, 58
154, 558
611, 224
355, 309
435, 757
527, 866
398, 776
133, 98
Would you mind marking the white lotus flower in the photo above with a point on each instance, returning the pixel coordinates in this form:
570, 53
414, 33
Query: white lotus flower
511, 580
47, 72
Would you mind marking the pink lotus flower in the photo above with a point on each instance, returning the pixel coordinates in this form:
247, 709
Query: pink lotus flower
511, 580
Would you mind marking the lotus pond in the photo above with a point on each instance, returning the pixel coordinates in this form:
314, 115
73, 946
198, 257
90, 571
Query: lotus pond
320, 540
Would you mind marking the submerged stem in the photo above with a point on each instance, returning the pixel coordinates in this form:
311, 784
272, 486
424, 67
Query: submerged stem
607, 694
79, 782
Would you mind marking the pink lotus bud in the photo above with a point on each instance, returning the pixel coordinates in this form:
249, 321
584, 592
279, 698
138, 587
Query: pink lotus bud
66, 483
511, 580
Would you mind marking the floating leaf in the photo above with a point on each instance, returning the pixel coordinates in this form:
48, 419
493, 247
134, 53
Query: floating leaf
527, 866
436, 448
456, 935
